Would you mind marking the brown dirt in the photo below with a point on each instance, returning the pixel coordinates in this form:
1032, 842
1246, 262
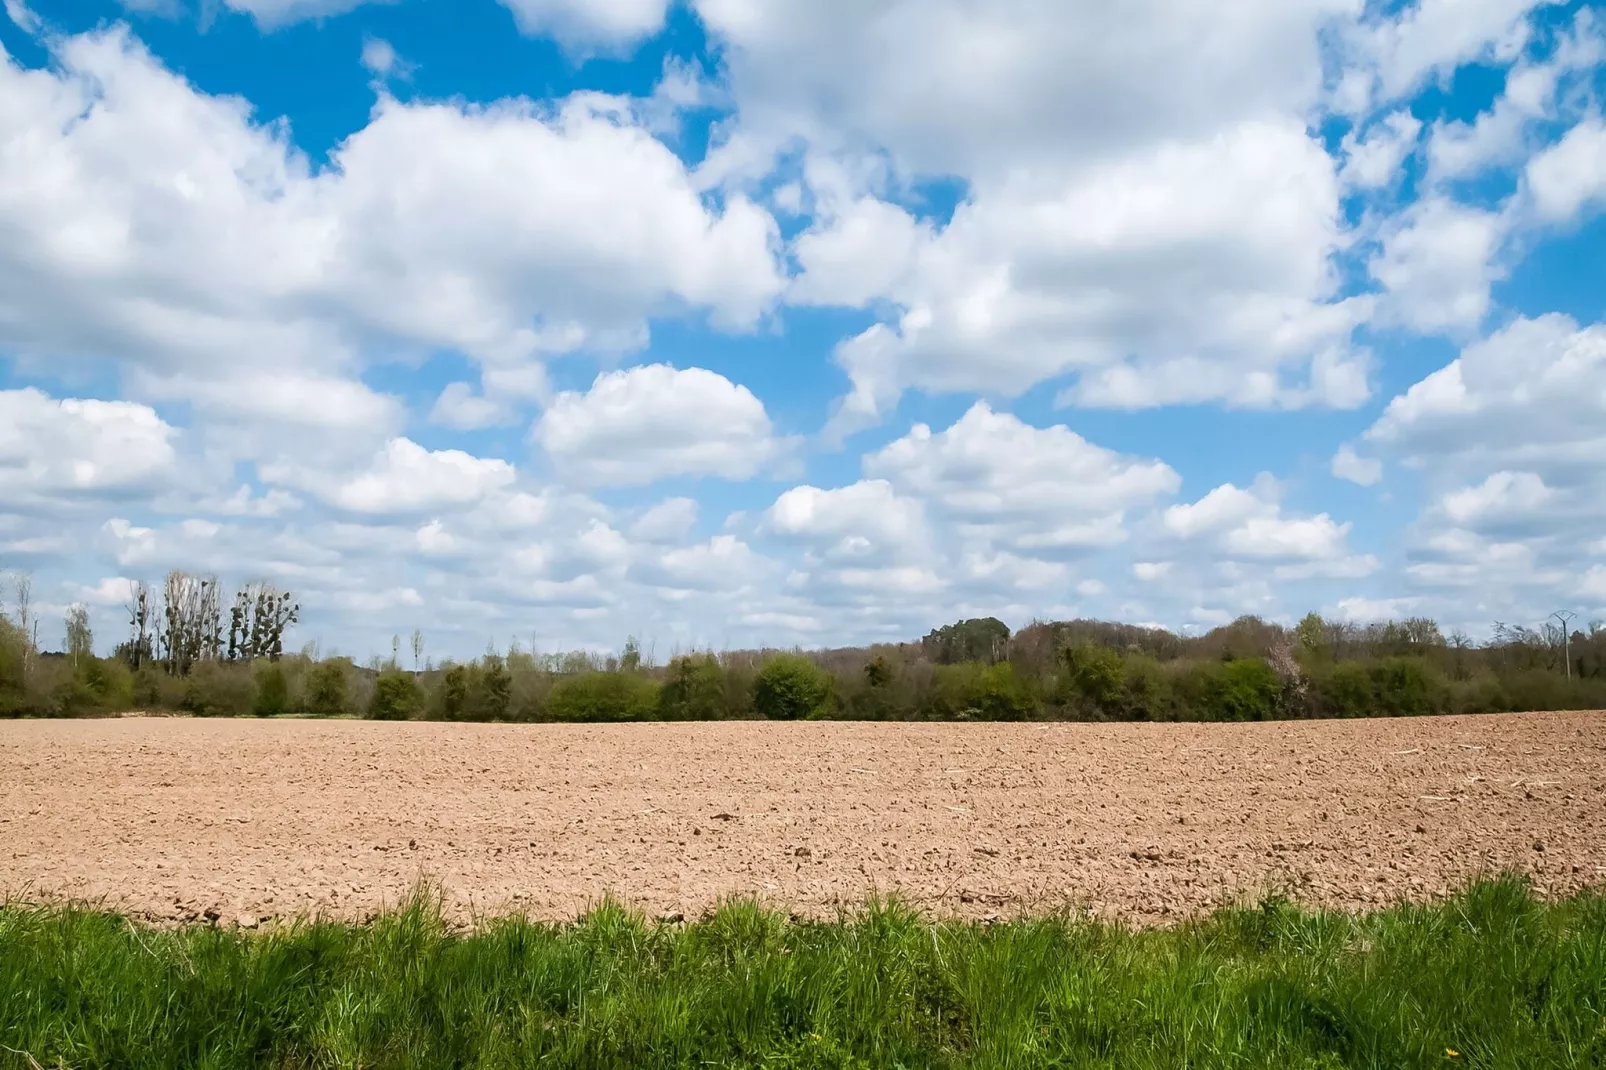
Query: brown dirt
180, 819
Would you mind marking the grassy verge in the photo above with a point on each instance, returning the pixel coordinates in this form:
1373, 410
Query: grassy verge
1489, 978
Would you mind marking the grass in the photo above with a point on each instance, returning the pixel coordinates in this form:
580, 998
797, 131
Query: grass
1487, 978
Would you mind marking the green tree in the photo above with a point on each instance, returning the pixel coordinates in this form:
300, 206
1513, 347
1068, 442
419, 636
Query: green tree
495, 691
603, 696
396, 696
326, 687
273, 691
789, 687
454, 692
693, 690
981, 639
1098, 676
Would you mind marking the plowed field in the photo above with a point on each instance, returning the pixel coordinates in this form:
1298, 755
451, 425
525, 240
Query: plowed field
176, 819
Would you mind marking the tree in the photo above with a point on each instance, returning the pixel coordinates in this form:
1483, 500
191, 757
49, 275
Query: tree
396, 696
789, 687
22, 593
80, 640
418, 647
140, 646
326, 687
630, 658
982, 639
694, 689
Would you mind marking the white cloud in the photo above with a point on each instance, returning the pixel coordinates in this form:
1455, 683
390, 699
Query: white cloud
404, 477
380, 58
668, 521
722, 563
1502, 494
22, 15
459, 408
1150, 571
79, 445
584, 24
1374, 160
1437, 263
1251, 524
1532, 393
642, 424
1209, 260
1507, 439
1039, 488
272, 14
505, 231
949, 87
1570, 175
1430, 38
865, 520
1362, 471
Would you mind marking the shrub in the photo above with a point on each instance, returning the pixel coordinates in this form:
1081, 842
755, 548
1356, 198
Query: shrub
1405, 687
1245, 689
215, 689
326, 687
454, 693
1097, 676
273, 691
694, 690
602, 696
490, 700
998, 693
396, 696
1344, 690
789, 687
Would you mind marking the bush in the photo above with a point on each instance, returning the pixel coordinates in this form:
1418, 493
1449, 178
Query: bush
1405, 687
326, 687
396, 696
273, 691
1097, 676
693, 691
789, 687
603, 696
490, 700
453, 693
216, 689
1245, 689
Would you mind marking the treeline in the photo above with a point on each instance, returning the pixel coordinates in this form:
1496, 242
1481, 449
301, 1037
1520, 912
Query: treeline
182, 655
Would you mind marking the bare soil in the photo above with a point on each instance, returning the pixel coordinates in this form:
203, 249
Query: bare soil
175, 819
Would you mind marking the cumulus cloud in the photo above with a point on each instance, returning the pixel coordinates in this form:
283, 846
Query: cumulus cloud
495, 230
865, 520
1373, 160
1043, 489
590, 24
404, 477
1569, 176
78, 446
1437, 263
645, 423
1362, 471
1250, 524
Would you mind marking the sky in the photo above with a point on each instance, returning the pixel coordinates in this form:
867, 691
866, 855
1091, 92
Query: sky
734, 323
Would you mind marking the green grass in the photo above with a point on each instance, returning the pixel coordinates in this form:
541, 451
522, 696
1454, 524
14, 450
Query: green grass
1492, 974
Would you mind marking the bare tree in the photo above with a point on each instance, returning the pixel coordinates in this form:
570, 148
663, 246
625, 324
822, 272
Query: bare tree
80, 640
418, 647
191, 628
22, 594
141, 606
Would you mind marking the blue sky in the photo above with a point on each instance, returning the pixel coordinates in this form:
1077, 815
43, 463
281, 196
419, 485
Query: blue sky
723, 322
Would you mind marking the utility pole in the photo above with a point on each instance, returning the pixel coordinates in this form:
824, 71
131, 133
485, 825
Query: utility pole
1565, 615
